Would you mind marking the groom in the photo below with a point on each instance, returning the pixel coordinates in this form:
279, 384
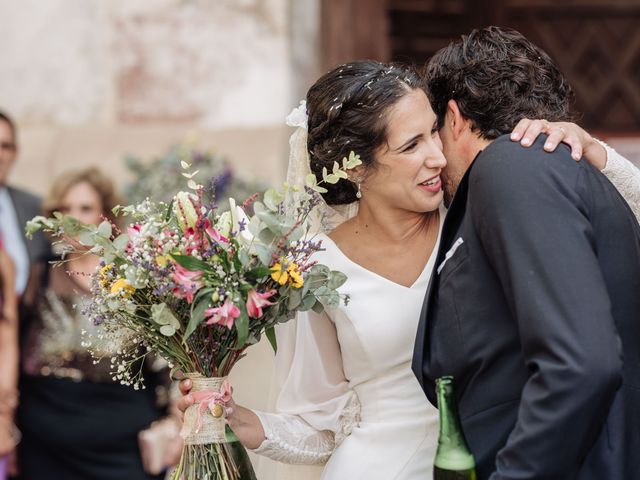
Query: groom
534, 306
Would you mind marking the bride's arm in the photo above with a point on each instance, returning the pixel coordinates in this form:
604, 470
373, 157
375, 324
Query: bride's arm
625, 176
621, 172
315, 408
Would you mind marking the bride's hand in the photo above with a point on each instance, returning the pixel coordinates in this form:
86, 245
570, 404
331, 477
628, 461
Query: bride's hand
244, 423
582, 144
187, 400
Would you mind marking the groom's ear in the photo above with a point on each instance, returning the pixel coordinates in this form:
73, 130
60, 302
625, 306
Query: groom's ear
454, 119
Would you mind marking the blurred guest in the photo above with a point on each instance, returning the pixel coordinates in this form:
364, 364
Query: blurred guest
77, 422
8, 358
16, 207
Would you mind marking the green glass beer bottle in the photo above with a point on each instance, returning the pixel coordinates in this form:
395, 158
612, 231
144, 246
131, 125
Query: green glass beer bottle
453, 459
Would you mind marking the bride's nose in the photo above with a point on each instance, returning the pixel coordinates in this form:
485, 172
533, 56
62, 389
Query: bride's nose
436, 161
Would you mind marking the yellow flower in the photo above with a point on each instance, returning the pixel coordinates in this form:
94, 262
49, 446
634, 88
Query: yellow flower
122, 285
290, 275
278, 274
295, 278
162, 260
104, 275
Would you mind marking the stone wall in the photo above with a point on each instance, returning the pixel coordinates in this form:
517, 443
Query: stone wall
89, 81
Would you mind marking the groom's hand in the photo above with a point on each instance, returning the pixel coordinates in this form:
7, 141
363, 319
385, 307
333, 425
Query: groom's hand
186, 400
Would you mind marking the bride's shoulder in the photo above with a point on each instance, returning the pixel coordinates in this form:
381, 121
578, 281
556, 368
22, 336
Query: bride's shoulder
329, 252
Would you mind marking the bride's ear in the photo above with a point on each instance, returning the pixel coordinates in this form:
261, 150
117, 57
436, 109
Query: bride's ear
356, 174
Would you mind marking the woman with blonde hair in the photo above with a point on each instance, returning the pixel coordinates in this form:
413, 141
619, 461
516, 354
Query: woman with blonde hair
77, 421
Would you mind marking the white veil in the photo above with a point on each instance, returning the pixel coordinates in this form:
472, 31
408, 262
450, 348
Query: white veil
325, 217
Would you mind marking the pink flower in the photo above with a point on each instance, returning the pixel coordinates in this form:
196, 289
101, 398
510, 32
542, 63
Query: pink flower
224, 315
214, 234
188, 282
256, 301
133, 231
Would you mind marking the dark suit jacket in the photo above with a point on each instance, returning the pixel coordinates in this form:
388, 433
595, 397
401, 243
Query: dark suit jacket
537, 316
28, 206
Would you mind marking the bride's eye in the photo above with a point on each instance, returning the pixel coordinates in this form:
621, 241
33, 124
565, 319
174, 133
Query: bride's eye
409, 148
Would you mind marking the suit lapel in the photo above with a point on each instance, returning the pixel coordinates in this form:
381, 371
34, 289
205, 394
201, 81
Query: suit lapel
452, 222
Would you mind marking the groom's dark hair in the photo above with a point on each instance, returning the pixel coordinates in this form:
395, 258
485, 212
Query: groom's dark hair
497, 77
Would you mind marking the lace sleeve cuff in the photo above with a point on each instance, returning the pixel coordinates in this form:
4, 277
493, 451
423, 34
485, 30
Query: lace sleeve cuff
624, 176
290, 439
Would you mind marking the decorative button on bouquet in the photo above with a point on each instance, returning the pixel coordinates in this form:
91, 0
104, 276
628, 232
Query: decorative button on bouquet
198, 287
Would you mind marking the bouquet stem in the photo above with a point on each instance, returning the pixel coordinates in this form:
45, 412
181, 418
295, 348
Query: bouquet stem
215, 461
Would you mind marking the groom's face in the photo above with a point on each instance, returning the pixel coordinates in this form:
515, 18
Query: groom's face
456, 164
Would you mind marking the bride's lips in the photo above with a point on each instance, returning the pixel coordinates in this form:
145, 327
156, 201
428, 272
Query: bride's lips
434, 184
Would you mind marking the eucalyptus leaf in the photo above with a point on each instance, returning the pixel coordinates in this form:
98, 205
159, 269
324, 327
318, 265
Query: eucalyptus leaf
295, 298
332, 179
121, 242
162, 315
307, 303
310, 180
273, 198
267, 236
318, 307
258, 207
36, 224
87, 239
353, 161
322, 293
105, 229
336, 279
320, 269
296, 234
320, 189
167, 330
333, 300
264, 253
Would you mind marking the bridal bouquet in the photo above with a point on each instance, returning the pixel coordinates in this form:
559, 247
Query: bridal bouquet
198, 287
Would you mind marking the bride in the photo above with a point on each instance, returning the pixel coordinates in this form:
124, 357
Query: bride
347, 397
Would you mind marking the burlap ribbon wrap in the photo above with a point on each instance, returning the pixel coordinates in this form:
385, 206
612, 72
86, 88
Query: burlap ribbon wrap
204, 422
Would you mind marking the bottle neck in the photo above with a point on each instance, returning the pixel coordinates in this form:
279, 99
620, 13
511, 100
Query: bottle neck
450, 428
453, 452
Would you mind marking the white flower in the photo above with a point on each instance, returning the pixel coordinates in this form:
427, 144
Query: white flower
184, 210
238, 216
298, 116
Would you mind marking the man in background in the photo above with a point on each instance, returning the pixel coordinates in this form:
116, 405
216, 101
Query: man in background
16, 208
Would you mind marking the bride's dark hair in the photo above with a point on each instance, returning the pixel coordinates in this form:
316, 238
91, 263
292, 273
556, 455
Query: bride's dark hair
348, 109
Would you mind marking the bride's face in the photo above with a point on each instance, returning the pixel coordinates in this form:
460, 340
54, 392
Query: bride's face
408, 166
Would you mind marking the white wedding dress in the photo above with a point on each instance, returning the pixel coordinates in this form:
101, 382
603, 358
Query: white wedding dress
347, 397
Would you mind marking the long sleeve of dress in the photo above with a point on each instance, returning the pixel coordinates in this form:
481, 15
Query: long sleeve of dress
315, 408
625, 176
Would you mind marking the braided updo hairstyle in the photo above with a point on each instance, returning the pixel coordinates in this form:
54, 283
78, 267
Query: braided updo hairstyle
348, 109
